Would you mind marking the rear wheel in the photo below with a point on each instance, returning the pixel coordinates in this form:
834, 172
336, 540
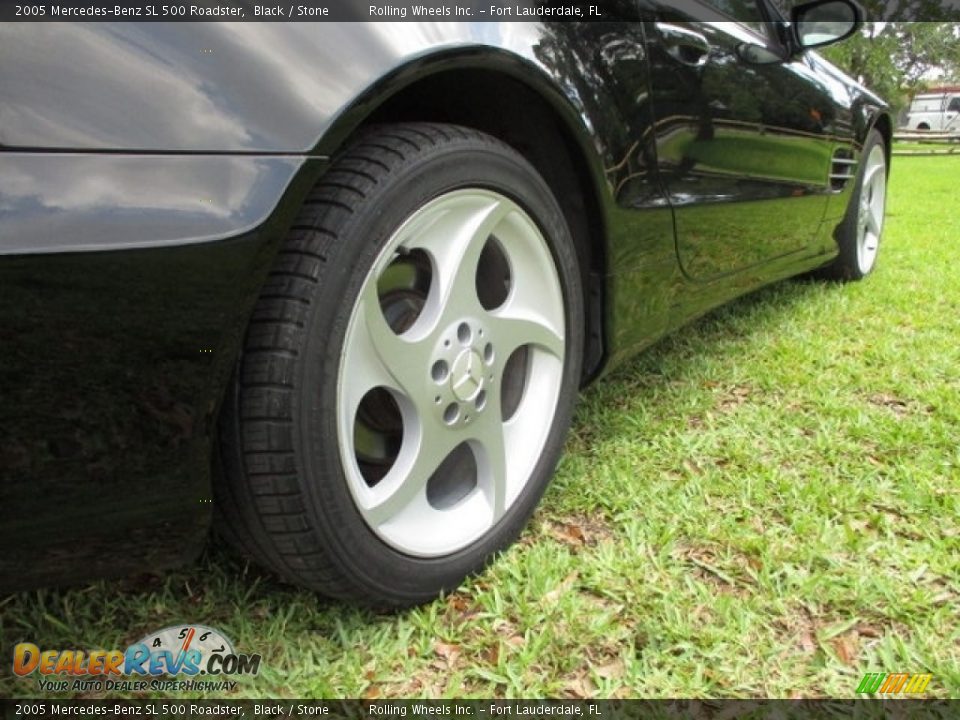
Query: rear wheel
410, 371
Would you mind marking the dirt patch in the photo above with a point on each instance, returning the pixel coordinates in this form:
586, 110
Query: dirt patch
577, 531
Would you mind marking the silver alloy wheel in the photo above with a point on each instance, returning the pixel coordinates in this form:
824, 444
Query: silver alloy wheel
451, 372
870, 214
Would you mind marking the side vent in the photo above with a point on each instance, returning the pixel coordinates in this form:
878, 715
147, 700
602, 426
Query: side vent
843, 170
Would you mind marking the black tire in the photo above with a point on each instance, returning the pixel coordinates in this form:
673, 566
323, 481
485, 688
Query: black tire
283, 493
850, 265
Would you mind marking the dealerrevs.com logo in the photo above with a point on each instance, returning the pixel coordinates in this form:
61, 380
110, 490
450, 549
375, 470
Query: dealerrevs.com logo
170, 659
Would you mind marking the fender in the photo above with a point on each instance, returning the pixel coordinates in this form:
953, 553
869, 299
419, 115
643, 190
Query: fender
516, 63
236, 88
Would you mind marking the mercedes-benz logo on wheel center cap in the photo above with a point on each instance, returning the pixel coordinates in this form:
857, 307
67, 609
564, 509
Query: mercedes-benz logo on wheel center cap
466, 379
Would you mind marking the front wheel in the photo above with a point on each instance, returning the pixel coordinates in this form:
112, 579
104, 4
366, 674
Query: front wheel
410, 371
860, 233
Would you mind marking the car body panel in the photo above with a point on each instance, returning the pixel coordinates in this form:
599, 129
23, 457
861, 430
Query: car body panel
230, 87
148, 174
63, 202
739, 146
114, 362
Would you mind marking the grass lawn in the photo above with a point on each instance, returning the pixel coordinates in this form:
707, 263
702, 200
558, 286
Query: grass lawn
764, 504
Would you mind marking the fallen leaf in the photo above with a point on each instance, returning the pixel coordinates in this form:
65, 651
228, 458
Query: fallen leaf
611, 671
868, 631
568, 581
943, 597
569, 534
846, 649
458, 603
581, 687
895, 404
449, 652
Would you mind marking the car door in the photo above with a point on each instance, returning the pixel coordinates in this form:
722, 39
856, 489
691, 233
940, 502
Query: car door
743, 139
952, 118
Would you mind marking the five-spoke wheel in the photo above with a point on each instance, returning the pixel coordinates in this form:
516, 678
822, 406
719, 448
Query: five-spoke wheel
871, 208
410, 370
452, 360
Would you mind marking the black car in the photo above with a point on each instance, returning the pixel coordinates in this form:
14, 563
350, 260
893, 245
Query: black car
335, 288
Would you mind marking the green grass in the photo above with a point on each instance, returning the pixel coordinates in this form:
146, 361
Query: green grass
764, 504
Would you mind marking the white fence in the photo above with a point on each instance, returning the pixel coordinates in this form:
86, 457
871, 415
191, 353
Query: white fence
934, 143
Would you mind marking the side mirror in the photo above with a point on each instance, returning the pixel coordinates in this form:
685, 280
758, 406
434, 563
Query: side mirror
824, 22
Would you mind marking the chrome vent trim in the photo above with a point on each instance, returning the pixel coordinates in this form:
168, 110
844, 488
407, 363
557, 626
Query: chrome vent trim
843, 169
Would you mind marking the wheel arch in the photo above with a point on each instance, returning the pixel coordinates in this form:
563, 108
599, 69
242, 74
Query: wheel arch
548, 132
883, 123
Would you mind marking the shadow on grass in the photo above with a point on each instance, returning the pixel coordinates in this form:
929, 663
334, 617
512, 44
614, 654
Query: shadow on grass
735, 320
223, 588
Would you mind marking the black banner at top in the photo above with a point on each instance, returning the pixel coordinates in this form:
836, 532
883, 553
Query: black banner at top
306, 10
409, 10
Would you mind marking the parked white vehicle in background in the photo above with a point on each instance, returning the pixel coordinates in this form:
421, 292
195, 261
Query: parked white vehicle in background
937, 110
